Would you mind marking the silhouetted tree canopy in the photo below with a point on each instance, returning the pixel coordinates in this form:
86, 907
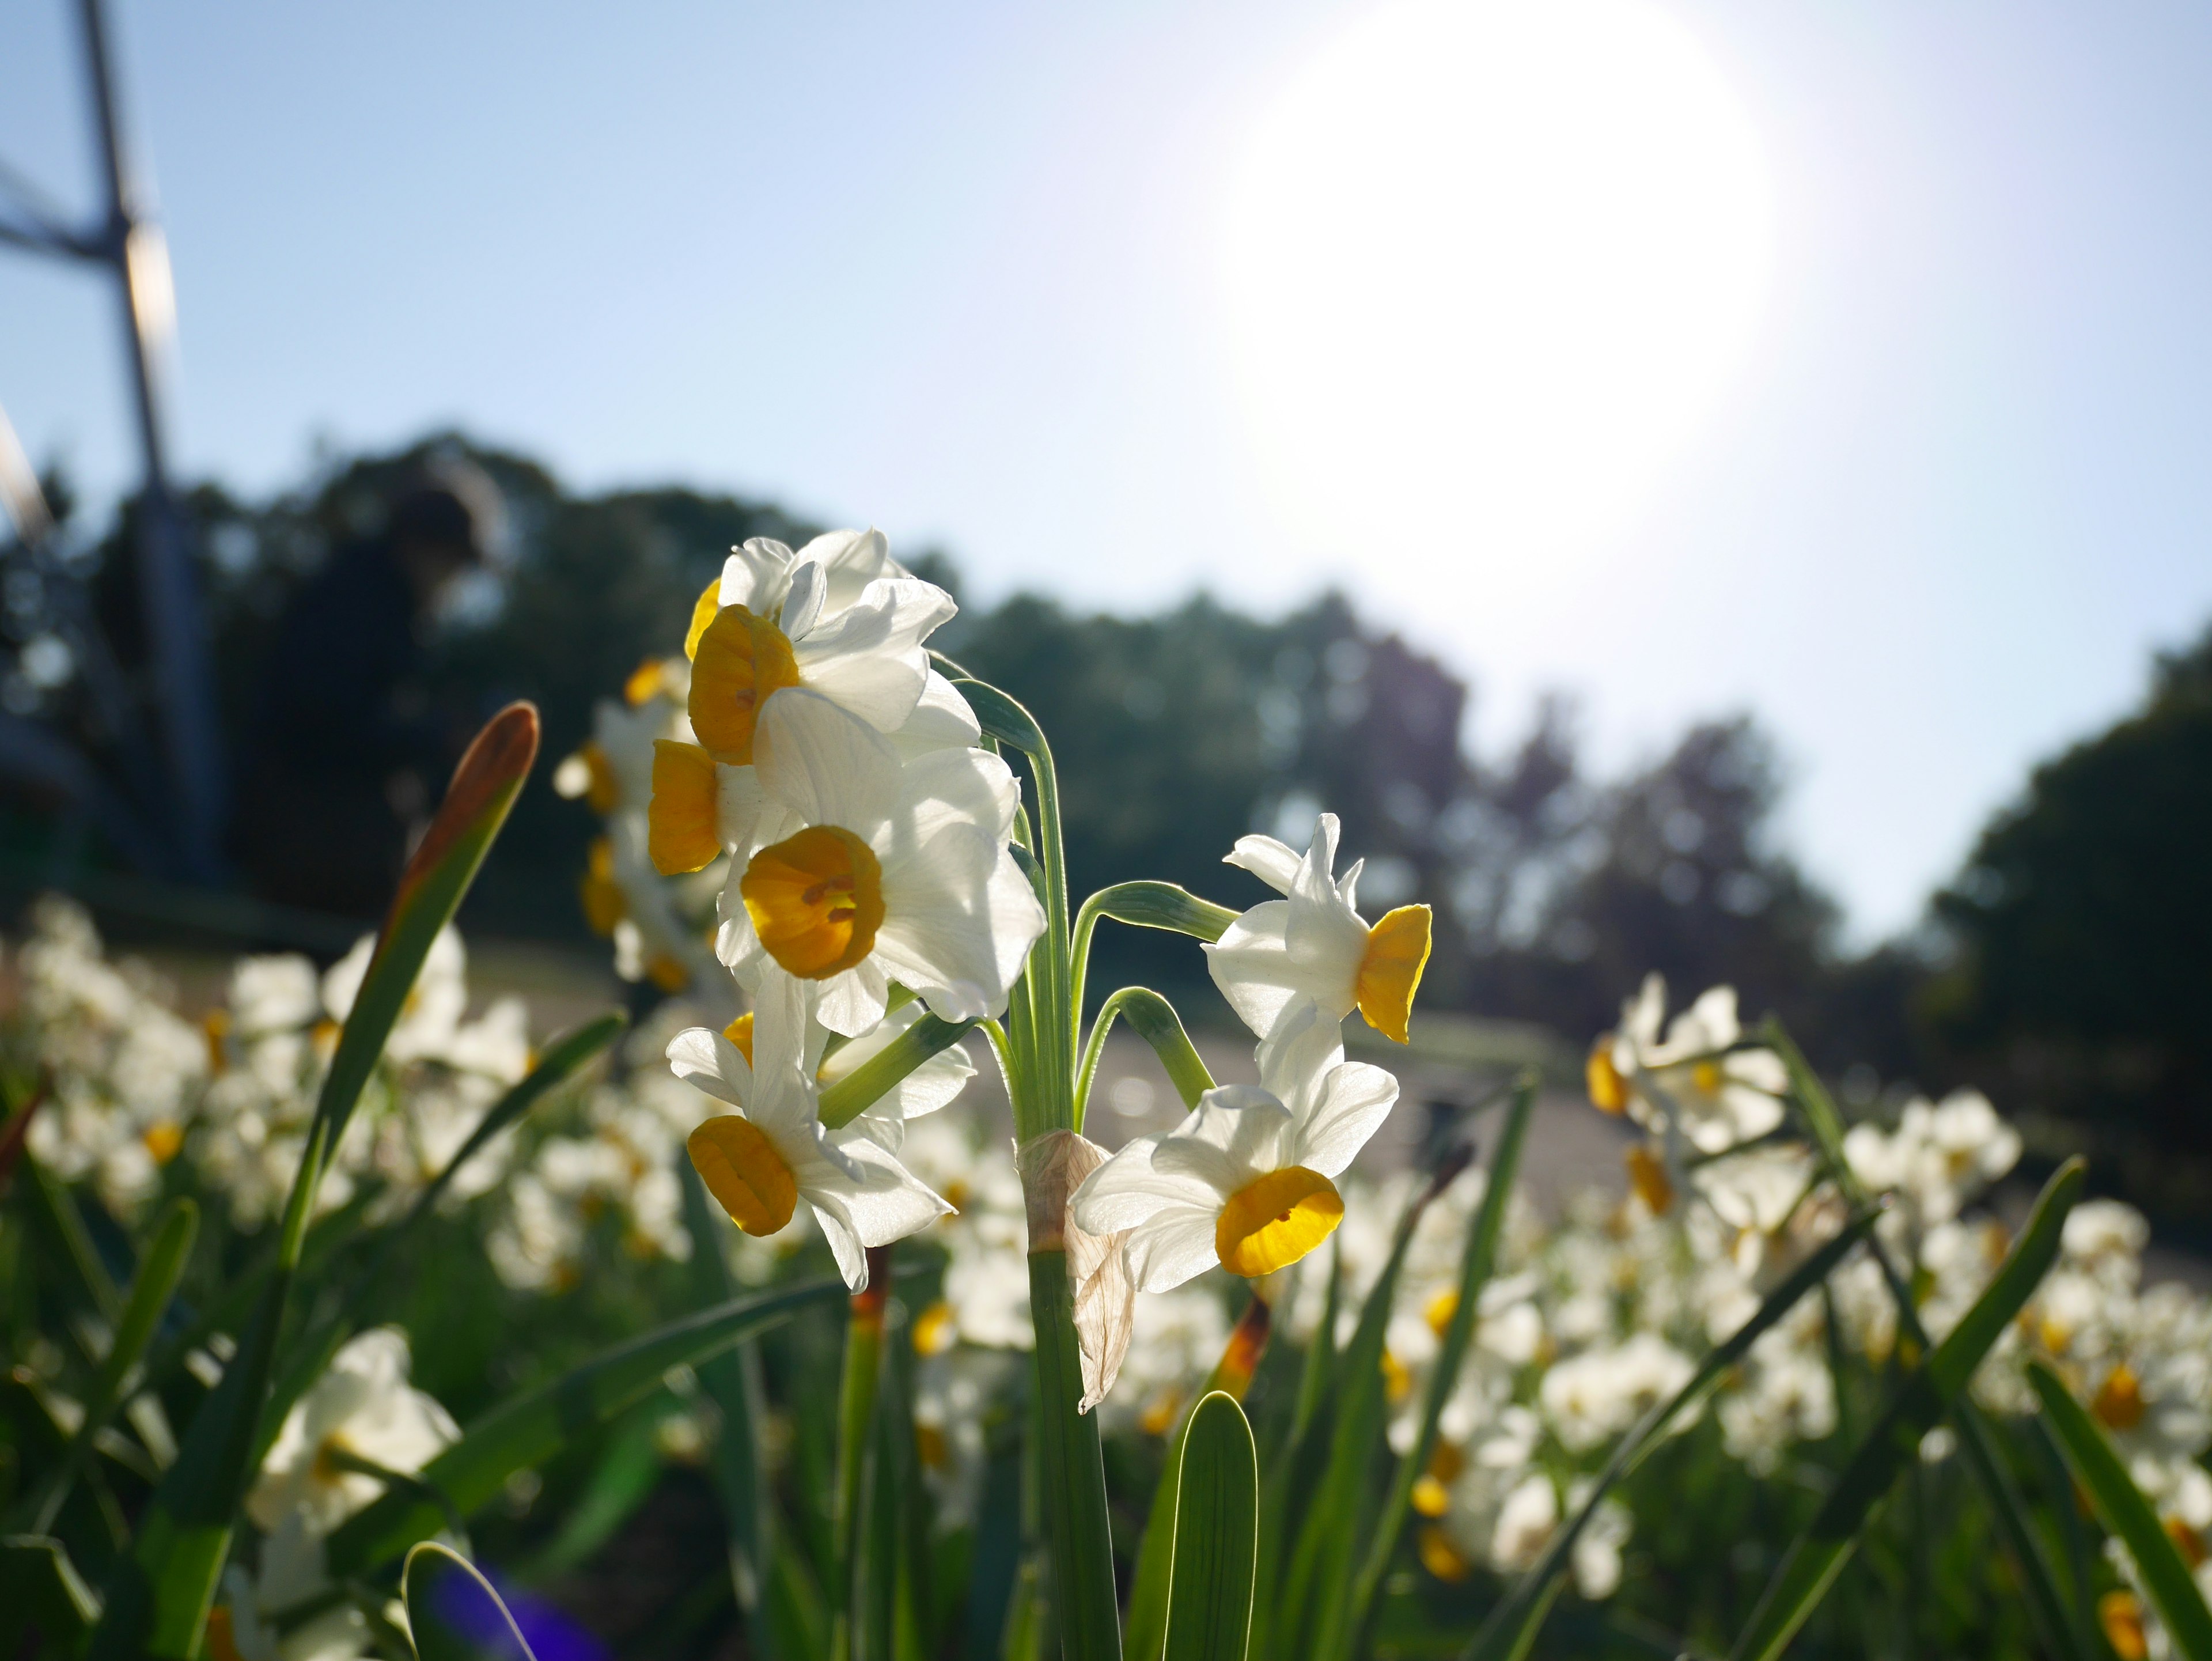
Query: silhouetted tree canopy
2083, 990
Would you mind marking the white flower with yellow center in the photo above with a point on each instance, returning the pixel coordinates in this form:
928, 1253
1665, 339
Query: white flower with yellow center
1314, 945
858, 868
361, 1412
840, 618
762, 1160
1715, 1094
1246, 1181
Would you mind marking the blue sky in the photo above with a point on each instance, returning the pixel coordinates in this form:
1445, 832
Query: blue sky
956, 270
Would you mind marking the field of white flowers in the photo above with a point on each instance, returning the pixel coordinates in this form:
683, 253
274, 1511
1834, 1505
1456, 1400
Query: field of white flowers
1219, 1391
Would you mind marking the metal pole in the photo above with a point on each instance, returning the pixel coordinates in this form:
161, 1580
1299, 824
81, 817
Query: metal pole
169, 587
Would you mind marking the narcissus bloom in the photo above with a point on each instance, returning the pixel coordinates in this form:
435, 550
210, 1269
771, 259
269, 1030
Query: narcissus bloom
1246, 1180
1314, 945
839, 617
1717, 1095
773, 1151
857, 868
362, 1406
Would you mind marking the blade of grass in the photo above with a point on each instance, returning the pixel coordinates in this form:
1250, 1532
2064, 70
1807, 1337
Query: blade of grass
533, 1427
1144, 1634
159, 1595
158, 1270
2061, 1626
1818, 1555
1314, 1593
1477, 1260
1217, 1536
40, 1588
1512, 1626
453, 1612
2122, 1508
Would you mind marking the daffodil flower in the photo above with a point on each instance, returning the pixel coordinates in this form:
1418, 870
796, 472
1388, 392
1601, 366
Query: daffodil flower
1246, 1181
782, 619
1716, 1094
858, 868
362, 1406
933, 1085
849, 624
762, 1160
1314, 945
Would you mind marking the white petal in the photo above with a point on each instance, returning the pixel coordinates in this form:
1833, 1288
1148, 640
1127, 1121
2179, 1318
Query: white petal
1173, 1246
825, 763
757, 576
702, 1057
1251, 967
844, 1245
1235, 1133
1125, 1190
941, 720
1355, 1100
803, 603
1297, 1054
1274, 862
746, 817
1762, 1069
853, 1001
971, 786
959, 918
888, 1203
869, 657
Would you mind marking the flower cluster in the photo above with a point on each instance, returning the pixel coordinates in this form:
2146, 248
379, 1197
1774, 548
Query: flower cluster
134, 1085
838, 783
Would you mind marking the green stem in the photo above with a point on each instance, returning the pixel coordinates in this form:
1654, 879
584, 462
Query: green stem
856, 1410
1072, 1473
1157, 1023
1162, 905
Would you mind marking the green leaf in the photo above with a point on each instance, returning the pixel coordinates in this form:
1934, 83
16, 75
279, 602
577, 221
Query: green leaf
1315, 1591
534, 1426
1818, 1555
158, 1596
2061, 1629
40, 1588
866, 1085
2123, 1510
453, 1612
1512, 1626
1145, 1632
1477, 1260
1157, 1023
1217, 1536
159, 1271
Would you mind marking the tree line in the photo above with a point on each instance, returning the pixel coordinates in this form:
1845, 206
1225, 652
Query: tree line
2065, 969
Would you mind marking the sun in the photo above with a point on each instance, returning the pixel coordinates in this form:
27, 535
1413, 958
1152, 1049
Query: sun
1487, 266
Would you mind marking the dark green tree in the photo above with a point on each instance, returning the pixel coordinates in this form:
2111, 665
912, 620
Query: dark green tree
2083, 986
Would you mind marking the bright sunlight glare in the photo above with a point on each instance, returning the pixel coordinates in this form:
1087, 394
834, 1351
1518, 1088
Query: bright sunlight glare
1488, 266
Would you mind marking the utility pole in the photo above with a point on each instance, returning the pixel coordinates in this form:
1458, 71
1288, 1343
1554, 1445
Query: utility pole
169, 587
184, 821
